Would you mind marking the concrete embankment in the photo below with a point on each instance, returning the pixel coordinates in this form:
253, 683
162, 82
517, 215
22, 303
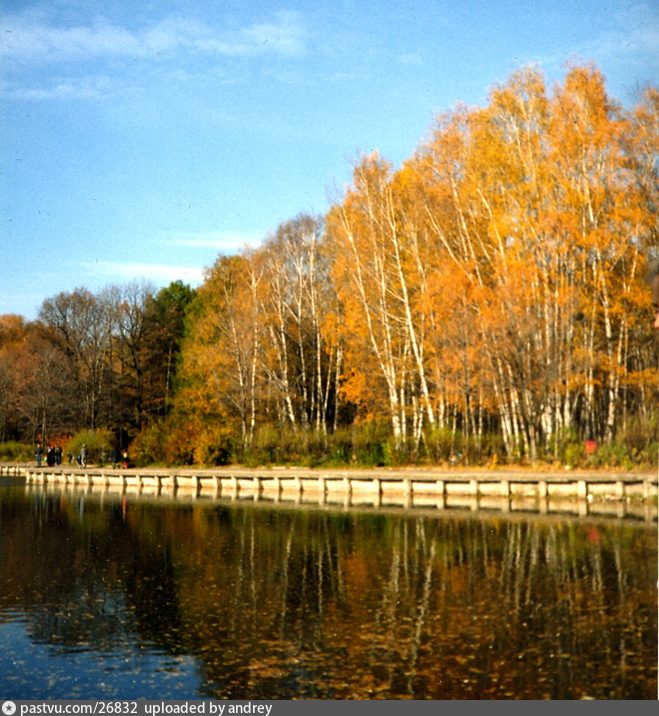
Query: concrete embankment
498, 489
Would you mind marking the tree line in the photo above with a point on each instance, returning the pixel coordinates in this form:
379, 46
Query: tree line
91, 362
486, 300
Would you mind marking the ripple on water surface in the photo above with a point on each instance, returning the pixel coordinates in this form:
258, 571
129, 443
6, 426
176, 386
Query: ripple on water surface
32, 669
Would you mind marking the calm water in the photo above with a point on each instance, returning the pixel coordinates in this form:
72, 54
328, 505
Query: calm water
104, 597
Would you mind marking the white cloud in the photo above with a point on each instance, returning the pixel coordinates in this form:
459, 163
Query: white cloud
159, 273
29, 37
284, 36
24, 38
84, 88
632, 37
224, 241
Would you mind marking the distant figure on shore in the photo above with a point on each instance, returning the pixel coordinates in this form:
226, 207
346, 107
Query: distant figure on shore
38, 452
115, 459
125, 459
83, 456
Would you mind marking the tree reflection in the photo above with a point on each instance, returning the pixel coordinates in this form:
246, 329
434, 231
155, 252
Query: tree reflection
281, 603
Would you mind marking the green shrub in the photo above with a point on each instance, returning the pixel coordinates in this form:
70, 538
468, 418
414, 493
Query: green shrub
641, 437
339, 447
365, 445
369, 441
265, 447
99, 445
492, 447
12, 451
573, 453
148, 447
441, 443
612, 455
214, 447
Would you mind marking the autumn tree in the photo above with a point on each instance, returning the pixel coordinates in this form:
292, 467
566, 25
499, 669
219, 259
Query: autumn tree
80, 325
363, 235
260, 350
498, 275
221, 355
35, 377
297, 296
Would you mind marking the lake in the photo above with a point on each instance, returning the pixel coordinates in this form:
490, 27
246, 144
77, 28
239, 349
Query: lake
106, 596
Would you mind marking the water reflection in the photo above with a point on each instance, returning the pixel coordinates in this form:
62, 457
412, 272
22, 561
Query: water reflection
116, 597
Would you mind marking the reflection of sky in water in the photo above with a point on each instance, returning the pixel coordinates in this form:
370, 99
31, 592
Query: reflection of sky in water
30, 670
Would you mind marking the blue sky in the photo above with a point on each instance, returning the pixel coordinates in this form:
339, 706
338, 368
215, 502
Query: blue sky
141, 139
